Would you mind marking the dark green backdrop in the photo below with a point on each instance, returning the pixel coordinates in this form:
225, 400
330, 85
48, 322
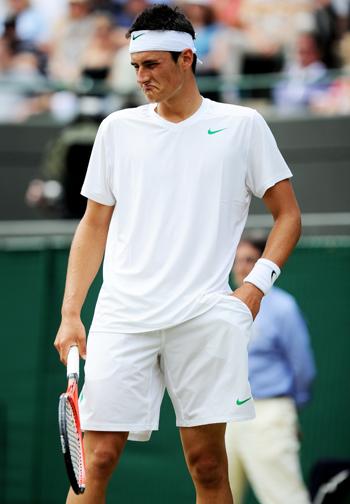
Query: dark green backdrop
32, 276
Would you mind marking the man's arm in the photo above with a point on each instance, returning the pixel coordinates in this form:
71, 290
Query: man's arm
85, 258
284, 235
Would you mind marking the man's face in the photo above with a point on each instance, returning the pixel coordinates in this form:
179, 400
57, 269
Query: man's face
159, 77
78, 9
18, 5
307, 50
246, 257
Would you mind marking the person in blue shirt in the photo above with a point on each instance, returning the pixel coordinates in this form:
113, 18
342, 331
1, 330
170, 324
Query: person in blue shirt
265, 450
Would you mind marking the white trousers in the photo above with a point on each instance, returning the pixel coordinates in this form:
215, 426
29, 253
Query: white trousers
266, 452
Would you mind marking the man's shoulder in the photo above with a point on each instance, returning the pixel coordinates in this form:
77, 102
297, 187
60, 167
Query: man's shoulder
126, 114
229, 109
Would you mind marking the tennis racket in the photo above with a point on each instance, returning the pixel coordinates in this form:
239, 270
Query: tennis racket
69, 426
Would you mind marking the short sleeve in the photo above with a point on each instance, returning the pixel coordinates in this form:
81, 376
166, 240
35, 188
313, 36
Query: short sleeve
97, 183
266, 165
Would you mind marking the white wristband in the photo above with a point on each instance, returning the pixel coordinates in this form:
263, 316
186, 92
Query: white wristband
263, 275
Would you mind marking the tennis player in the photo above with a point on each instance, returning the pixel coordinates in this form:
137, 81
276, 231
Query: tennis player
168, 187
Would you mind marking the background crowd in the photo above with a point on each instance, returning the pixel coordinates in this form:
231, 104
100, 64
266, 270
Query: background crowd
61, 57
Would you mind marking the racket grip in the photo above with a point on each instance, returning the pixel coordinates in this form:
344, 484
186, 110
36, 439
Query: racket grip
73, 361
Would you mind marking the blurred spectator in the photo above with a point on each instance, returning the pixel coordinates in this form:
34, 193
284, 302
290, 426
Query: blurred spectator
342, 8
106, 62
277, 21
23, 87
202, 17
271, 28
123, 80
336, 99
3, 8
64, 166
328, 30
87, 51
71, 36
9, 100
304, 79
24, 24
9, 33
6, 55
103, 6
229, 48
128, 11
257, 40
227, 12
50, 12
98, 55
281, 369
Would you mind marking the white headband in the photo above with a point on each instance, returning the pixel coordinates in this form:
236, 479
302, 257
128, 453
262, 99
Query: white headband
160, 40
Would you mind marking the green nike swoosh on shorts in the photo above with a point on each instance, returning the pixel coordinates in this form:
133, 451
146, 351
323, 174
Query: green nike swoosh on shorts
239, 403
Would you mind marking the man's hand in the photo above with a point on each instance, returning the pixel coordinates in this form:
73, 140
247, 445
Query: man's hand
70, 333
251, 296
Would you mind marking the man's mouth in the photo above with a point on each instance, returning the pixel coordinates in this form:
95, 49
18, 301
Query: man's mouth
147, 87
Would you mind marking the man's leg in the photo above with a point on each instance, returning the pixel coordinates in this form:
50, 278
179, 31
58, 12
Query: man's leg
204, 449
102, 453
271, 455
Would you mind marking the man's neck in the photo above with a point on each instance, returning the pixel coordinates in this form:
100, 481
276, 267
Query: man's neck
179, 108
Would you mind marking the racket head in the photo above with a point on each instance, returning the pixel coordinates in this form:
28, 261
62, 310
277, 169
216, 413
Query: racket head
71, 439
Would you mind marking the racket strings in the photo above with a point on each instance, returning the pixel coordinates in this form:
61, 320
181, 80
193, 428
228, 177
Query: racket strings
74, 443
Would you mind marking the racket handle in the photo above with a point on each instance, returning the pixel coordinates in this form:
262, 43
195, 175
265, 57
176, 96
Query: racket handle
73, 361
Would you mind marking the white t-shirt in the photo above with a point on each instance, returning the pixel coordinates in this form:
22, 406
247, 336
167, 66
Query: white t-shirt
182, 194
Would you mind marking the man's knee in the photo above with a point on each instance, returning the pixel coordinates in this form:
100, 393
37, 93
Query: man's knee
102, 455
208, 470
101, 462
204, 448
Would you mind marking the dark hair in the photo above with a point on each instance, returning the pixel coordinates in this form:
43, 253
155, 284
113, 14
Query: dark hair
163, 17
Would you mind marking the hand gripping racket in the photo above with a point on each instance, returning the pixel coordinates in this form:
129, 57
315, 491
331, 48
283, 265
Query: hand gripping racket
69, 426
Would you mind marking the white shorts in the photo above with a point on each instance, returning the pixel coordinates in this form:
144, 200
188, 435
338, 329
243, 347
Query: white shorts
202, 362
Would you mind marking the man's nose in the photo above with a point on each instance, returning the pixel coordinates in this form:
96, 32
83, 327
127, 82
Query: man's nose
142, 75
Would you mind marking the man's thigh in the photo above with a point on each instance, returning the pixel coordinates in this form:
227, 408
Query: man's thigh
123, 385
205, 364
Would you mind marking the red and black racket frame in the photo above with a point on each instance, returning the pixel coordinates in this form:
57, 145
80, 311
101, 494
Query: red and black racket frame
71, 396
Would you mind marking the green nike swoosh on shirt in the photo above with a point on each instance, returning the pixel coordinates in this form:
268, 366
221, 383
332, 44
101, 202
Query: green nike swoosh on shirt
213, 132
239, 403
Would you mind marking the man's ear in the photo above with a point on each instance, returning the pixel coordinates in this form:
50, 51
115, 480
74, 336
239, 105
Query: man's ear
186, 59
